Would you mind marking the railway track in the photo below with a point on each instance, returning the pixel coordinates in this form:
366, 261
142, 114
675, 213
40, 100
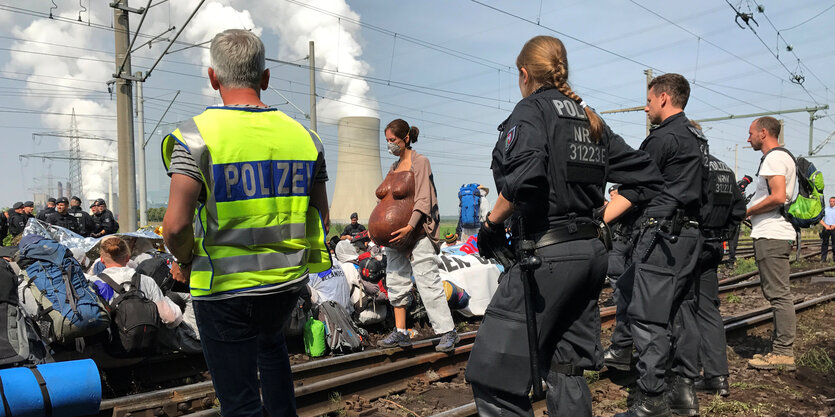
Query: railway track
349, 382
726, 286
369, 374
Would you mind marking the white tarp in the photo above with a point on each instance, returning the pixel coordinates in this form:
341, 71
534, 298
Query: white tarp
478, 276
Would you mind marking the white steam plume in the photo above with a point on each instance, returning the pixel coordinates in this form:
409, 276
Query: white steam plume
338, 47
77, 67
68, 74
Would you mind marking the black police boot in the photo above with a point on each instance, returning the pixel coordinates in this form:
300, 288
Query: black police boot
715, 385
682, 397
648, 406
619, 358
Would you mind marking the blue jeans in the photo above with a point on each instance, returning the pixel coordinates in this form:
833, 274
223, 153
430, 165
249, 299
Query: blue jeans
242, 336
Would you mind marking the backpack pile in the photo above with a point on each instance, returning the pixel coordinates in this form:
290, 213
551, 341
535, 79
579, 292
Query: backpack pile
470, 202
68, 306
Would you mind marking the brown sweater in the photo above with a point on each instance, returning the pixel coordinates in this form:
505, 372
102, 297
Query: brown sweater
425, 214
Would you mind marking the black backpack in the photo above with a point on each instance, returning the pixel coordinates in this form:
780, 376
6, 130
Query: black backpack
134, 319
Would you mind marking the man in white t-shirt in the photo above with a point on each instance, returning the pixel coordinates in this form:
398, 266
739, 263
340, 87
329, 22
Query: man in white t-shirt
773, 236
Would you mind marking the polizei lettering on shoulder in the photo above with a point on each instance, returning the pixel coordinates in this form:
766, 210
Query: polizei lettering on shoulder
569, 108
261, 179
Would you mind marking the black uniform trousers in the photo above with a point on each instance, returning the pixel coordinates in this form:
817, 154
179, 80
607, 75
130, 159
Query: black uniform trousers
699, 330
620, 258
653, 295
566, 291
826, 236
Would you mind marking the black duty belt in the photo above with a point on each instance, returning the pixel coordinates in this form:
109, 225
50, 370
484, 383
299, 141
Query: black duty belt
686, 222
567, 233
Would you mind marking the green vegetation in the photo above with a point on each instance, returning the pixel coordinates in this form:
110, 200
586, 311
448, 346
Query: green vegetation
733, 298
591, 376
156, 214
721, 407
817, 359
744, 265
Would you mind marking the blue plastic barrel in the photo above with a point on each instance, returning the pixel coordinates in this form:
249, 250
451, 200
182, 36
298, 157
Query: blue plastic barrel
74, 389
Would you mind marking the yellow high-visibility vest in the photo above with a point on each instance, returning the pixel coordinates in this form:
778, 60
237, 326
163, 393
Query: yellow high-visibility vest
256, 228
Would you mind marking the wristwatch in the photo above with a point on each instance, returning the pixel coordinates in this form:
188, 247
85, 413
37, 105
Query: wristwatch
491, 225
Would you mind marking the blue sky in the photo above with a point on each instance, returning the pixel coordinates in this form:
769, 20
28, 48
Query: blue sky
447, 67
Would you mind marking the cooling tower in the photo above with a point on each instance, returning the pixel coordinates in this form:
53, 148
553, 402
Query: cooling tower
358, 170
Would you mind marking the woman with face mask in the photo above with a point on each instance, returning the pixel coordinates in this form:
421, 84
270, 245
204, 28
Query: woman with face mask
410, 234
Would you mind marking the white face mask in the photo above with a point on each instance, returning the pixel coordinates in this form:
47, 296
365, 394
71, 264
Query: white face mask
394, 149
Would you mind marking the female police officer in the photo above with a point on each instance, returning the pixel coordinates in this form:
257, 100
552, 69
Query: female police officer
551, 164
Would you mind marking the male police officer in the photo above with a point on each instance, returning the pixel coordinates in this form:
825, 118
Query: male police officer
61, 216
666, 249
50, 208
28, 208
17, 220
86, 225
259, 177
106, 224
700, 330
4, 226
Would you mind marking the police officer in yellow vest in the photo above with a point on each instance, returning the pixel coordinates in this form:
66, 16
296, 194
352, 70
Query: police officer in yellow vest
255, 180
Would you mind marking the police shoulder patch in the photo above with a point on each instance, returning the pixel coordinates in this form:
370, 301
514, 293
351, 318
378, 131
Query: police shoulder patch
697, 132
511, 136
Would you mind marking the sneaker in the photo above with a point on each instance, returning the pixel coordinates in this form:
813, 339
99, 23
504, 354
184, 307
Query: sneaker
448, 341
395, 339
772, 361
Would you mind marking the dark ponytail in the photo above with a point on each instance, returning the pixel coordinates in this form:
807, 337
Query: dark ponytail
401, 129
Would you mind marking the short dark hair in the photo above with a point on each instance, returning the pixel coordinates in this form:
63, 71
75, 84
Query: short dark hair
770, 124
675, 85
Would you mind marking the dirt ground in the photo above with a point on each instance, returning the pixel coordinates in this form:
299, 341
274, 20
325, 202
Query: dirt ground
810, 391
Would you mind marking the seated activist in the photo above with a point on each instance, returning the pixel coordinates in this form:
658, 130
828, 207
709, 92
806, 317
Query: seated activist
115, 256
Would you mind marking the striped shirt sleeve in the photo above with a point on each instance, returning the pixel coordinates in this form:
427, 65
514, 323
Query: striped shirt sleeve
183, 163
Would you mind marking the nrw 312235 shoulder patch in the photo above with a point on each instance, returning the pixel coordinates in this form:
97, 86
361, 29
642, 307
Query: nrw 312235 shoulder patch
510, 137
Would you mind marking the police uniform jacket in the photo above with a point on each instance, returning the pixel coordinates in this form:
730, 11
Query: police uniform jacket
546, 163
106, 221
43, 214
86, 225
66, 220
17, 222
725, 205
681, 153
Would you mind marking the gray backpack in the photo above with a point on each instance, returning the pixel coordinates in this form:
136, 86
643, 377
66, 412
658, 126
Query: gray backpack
341, 333
20, 342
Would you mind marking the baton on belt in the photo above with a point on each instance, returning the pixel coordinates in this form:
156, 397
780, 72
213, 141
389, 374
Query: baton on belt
529, 262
